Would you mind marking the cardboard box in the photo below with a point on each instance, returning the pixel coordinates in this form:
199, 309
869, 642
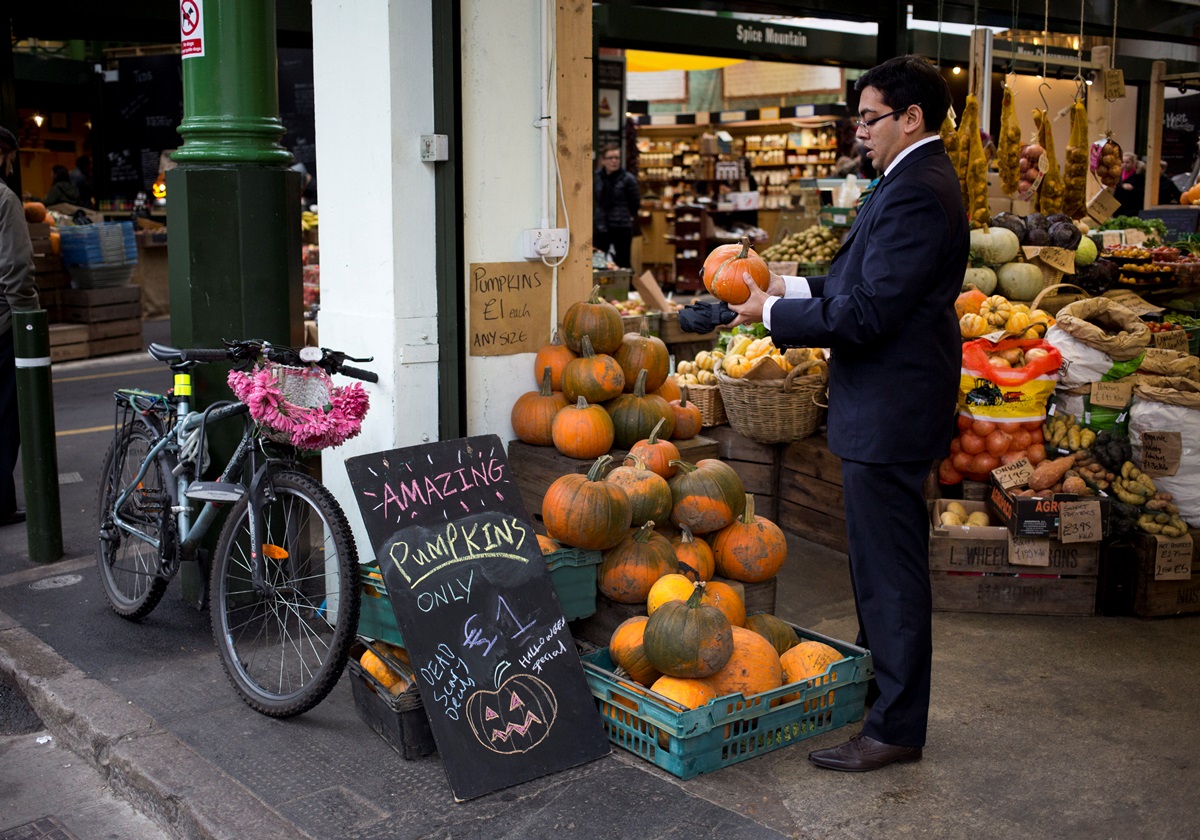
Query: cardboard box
1038, 517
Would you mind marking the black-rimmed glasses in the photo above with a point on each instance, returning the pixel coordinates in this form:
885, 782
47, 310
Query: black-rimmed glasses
861, 123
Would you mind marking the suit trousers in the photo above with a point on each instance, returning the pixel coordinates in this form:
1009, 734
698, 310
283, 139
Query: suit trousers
621, 242
10, 428
888, 528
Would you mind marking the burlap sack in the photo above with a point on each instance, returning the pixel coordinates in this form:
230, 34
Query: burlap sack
1105, 325
1171, 404
1170, 363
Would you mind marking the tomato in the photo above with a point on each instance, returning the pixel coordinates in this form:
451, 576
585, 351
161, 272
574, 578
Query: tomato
984, 463
997, 442
983, 428
972, 443
962, 462
947, 474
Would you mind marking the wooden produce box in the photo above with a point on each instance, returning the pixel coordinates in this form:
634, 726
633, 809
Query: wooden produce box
68, 342
684, 345
1130, 570
810, 493
91, 306
535, 468
969, 572
598, 628
757, 464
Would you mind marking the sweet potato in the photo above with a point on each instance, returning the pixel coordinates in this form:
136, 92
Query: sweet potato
1050, 472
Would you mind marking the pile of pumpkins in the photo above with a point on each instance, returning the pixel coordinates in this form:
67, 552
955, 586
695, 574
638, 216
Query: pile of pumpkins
980, 314
601, 387
696, 642
743, 354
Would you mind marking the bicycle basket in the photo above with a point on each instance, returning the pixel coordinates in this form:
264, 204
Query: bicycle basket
300, 406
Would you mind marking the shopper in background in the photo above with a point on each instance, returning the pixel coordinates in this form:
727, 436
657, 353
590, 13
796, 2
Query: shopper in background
81, 177
615, 203
62, 191
886, 312
16, 293
1131, 192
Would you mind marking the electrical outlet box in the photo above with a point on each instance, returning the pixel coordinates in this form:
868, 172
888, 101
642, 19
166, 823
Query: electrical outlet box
435, 147
550, 243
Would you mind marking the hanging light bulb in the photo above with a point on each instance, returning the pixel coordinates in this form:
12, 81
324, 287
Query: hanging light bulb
957, 70
38, 120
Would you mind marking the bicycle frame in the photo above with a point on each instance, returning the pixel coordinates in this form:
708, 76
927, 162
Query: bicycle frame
192, 532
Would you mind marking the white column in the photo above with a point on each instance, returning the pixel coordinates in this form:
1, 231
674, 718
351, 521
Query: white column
373, 77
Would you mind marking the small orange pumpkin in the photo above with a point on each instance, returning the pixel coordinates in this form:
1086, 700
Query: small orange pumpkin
725, 598
724, 267
626, 647
751, 548
555, 356
669, 390
595, 318
629, 568
695, 558
672, 587
534, 411
648, 492
642, 351
548, 545
708, 495
658, 453
689, 638
593, 375
586, 511
753, 668
582, 430
688, 419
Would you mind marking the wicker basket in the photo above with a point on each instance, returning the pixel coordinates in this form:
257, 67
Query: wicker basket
774, 410
712, 407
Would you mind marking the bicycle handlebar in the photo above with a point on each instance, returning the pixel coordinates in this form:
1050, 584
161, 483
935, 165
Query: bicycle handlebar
200, 355
245, 352
358, 373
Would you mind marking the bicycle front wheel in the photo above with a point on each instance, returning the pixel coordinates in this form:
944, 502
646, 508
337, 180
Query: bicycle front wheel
284, 649
130, 568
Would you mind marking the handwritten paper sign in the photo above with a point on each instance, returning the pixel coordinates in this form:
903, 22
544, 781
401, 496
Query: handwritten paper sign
496, 665
510, 308
1134, 302
1016, 474
1173, 558
1080, 521
1102, 207
1161, 453
1111, 394
1171, 340
1114, 84
1028, 551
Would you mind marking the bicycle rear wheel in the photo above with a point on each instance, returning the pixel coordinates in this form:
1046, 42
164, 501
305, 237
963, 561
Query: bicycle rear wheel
130, 568
285, 650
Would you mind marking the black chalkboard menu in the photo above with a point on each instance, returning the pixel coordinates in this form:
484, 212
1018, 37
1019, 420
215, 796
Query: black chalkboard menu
496, 665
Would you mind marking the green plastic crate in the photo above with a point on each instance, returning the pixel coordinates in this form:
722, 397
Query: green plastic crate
573, 573
375, 617
732, 728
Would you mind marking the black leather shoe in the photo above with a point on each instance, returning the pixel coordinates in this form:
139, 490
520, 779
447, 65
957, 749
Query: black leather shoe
862, 753
14, 518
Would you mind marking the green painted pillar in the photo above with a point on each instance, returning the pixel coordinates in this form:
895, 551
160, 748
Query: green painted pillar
233, 209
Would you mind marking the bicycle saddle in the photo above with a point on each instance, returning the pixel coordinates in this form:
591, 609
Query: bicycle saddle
164, 353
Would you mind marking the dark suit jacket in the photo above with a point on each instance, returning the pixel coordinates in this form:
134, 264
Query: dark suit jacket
886, 311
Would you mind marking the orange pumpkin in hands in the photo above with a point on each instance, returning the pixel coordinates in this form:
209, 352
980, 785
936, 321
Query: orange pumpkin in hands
724, 267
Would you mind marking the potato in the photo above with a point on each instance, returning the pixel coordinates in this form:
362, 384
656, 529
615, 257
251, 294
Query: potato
979, 518
951, 519
957, 509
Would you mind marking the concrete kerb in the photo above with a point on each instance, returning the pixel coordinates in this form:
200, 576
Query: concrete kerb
152, 769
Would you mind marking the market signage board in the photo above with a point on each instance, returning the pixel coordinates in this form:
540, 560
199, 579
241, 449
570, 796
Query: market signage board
191, 28
510, 308
496, 665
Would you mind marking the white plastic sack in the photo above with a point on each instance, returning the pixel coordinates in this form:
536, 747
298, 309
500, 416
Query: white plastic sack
847, 194
1180, 415
1082, 364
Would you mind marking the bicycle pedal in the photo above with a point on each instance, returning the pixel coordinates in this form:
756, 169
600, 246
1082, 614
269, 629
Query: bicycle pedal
215, 491
151, 501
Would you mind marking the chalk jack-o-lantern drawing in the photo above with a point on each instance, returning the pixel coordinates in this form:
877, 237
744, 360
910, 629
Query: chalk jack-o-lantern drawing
514, 718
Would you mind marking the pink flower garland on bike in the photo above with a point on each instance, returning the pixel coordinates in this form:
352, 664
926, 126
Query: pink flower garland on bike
308, 428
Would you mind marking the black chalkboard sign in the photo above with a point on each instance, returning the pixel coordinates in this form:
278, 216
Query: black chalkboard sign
496, 666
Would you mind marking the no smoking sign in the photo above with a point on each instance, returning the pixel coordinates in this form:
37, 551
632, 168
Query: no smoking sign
191, 28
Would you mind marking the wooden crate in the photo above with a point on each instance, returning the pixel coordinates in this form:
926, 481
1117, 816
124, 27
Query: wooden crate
757, 464
1154, 598
93, 306
810, 493
68, 342
598, 628
119, 344
114, 329
535, 468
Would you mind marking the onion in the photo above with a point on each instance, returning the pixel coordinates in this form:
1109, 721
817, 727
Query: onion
998, 442
983, 428
962, 462
984, 463
972, 444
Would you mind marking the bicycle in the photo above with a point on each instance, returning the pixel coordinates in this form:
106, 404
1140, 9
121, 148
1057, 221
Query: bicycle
283, 594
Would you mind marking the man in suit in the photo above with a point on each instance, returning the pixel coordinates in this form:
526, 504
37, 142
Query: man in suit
886, 312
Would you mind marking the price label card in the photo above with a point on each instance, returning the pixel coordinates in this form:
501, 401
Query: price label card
1133, 236
1103, 207
1080, 521
1028, 551
1130, 300
1111, 394
1016, 474
1060, 258
1114, 84
1171, 340
1173, 558
1161, 453
788, 269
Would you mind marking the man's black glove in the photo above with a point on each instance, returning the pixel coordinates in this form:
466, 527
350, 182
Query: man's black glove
705, 317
